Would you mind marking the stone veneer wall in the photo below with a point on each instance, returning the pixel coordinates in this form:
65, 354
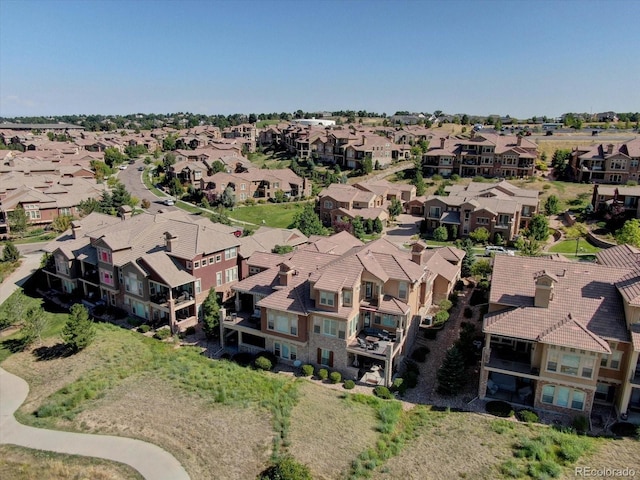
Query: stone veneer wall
537, 402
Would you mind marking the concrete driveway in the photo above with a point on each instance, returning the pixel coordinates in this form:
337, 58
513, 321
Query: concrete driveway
405, 227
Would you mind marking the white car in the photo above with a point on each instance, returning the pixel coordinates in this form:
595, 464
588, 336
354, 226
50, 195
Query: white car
169, 202
123, 167
497, 250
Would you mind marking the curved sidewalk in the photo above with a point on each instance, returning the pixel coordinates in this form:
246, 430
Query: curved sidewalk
150, 460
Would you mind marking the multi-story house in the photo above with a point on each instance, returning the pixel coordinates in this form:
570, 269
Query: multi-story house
338, 201
245, 131
156, 267
501, 208
482, 154
564, 336
362, 307
611, 163
606, 197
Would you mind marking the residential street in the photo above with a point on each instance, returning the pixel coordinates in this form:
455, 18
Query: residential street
406, 227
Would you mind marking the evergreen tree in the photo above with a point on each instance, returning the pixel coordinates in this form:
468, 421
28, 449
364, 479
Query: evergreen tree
211, 315
367, 165
469, 258
440, 234
79, 331
228, 198
358, 228
538, 228
18, 219
451, 374
35, 321
418, 181
10, 253
395, 208
377, 226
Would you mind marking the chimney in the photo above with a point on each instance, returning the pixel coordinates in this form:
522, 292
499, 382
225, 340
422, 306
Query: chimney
610, 148
417, 252
544, 288
75, 229
472, 134
285, 274
364, 139
169, 240
442, 140
519, 140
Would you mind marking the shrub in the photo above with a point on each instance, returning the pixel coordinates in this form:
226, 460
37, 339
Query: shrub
411, 379
468, 312
420, 354
349, 385
501, 426
144, 328
511, 469
323, 374
546, 186
399, 385
307, 370
440, 317
263, 363
335, 377
455, 177
382, 392
580, 423
478, 179
623, 429
243, 358
162, 334
286, 469
528, 416
445, 304
459, 285
269, 356
190, 331
499, 409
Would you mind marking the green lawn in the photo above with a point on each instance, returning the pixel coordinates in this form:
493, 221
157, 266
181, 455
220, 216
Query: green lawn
278, 215
568, 248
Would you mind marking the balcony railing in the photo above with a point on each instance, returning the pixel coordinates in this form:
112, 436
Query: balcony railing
514, 363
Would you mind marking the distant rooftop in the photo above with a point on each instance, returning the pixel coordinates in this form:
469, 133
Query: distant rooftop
40, 126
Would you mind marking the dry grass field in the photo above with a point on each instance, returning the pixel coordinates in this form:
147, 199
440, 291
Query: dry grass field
327, 432
17, 463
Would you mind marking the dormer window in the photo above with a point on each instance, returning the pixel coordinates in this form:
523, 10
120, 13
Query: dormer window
327, 299
347, 298
104, 255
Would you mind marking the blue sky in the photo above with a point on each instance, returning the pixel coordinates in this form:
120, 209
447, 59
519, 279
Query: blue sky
517, 57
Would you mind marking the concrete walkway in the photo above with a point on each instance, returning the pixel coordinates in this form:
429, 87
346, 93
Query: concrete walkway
28, 265
151, 461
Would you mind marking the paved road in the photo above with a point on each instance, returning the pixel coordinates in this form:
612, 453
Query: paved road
131, 178
30, 263
151, 461
406, 227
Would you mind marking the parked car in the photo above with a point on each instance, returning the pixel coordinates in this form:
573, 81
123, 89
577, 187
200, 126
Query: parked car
497, 250
123, 167
141, 169
169, 202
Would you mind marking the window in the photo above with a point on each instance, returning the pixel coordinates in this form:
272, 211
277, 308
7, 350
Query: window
552, 362
327, 298
330, 327
612, 361
218, 258
284, 350
189, 265
563, 397
282, 322
231, 274
325, 357
587, 368
328, 204
196, 265
243, 186
482, 221
346, 297
219, 279
402, 290
104, 255
198, 286
317, 325
570, 364
503, 220
62, 266
230, 253
212, 260
434, 212
106, 277
353, 325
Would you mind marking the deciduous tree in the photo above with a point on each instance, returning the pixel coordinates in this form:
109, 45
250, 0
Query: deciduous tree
538, 228
211, 315
440, 234
480, 235
308, 222
552, 205
629, 233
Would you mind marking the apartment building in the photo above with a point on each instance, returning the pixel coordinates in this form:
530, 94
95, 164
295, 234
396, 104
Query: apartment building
339, 311
564, 336
255, 183
338, 201
607, 197
610, 163
501, 208
157, 267
481, 154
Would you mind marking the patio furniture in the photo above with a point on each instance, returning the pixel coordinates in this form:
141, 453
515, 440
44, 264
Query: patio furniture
362, 343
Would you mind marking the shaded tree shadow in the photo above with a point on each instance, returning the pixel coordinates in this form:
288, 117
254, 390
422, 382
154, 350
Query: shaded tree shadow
59, 350
14, 345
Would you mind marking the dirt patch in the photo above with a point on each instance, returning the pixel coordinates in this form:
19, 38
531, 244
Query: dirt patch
211, 441
328, 433
17, 463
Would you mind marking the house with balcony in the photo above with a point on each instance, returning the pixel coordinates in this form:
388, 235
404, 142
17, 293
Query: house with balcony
564, 336
246, 132
356, 312
610, 163
338, 201
156, 267
501, 208
610, 197
481, 154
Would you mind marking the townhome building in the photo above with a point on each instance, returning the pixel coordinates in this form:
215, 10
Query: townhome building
610, 163
564, 336
502, 208
338, 201
481, 154
245, 131
359, 308
156, 267
612, 198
